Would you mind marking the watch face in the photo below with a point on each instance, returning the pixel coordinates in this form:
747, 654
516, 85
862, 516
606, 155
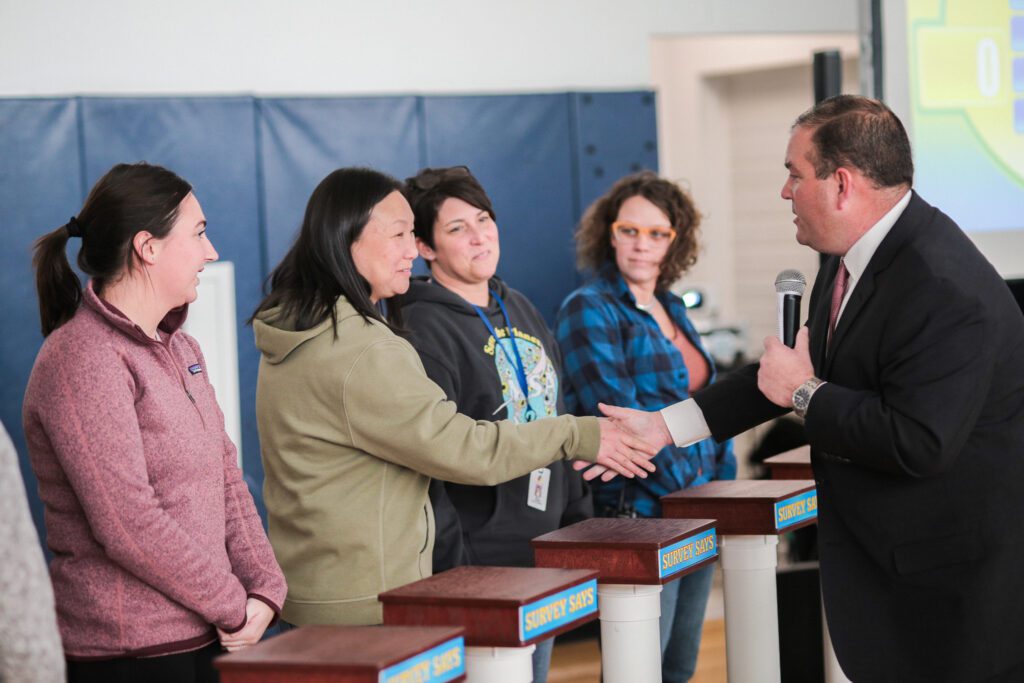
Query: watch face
802, 396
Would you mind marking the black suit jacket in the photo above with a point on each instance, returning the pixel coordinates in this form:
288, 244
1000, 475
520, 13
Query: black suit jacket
917, 446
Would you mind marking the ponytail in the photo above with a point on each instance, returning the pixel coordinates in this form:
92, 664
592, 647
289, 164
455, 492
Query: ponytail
58, 287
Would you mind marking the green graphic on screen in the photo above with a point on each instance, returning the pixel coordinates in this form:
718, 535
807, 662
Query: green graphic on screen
967, 107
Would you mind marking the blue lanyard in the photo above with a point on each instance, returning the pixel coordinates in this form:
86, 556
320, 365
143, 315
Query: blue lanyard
517, 362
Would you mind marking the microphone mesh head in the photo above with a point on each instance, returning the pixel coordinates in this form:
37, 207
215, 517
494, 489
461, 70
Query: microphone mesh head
790, 282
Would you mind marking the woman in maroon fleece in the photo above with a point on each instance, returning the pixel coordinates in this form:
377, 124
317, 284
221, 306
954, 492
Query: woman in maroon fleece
159, 557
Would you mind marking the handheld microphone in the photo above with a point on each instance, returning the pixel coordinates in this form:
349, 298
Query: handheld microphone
789, 288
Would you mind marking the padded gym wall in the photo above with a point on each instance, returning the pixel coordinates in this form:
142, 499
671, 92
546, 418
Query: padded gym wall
520, 149
302, 140
617, 135
40, 188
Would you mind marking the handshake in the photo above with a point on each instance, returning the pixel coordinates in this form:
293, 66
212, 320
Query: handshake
629, 439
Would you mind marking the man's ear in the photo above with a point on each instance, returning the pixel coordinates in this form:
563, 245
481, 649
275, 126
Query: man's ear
426, 252
146, 247
845, 186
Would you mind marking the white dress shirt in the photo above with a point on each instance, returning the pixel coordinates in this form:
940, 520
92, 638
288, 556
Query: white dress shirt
685, 420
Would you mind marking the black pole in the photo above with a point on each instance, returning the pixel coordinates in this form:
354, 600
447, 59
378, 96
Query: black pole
828, 74
877, 57
828, 82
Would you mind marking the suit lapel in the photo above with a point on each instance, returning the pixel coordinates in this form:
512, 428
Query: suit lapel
900, 233
819, 316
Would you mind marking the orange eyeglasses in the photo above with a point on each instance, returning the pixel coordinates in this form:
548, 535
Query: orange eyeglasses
631, 231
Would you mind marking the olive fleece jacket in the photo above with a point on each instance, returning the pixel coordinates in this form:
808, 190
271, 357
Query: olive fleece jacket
351, 431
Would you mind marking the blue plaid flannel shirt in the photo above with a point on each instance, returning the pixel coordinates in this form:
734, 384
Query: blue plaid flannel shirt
614, 353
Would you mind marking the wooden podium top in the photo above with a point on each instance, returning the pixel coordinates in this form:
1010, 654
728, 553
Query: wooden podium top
351, 654
747, 507
498, 606
631, 551
794, 464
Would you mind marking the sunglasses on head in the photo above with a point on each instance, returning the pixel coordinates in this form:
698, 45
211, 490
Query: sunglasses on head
430, 178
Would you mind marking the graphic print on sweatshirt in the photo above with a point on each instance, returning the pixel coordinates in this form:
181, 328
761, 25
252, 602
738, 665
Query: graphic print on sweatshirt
541, 378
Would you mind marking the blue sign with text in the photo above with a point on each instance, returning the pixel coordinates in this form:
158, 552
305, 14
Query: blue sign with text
446, 662
556, 610
799, 508
686, 553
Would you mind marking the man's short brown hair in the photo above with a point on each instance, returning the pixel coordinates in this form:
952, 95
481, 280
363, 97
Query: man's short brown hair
859, 132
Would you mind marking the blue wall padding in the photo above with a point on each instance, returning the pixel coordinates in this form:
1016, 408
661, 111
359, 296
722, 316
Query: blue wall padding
617, 135
302, 140
255, 161
40, 188
520, 148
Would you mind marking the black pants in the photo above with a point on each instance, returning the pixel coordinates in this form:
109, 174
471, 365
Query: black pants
186, 667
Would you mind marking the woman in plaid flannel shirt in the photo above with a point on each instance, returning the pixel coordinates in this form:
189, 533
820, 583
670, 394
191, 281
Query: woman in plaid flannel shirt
626, 341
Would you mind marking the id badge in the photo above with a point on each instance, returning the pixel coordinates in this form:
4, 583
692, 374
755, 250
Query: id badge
537, 496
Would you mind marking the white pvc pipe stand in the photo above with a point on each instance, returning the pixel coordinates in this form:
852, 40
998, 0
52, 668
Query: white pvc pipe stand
630, 633
499, 664
751, 608
833, 672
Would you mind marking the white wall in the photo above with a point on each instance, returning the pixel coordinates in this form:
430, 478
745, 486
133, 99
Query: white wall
211, 320
711, 90
267, 47
761, 107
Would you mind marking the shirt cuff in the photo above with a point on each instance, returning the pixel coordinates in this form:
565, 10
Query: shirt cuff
685, 422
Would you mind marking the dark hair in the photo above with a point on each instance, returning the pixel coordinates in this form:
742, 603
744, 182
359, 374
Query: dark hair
861, 133
127, 200
319, 267
427, 190
593, 238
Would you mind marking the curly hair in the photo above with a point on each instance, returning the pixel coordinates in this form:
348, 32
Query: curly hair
593, 237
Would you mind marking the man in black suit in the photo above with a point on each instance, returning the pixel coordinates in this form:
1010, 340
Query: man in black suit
910, 377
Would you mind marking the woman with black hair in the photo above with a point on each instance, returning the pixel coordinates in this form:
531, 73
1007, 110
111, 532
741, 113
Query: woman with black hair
351, 427
158, 552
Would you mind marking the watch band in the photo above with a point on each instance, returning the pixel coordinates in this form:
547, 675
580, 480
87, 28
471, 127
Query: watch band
802, 395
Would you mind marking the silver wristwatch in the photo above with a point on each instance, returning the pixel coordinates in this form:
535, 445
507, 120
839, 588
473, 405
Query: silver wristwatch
802, 395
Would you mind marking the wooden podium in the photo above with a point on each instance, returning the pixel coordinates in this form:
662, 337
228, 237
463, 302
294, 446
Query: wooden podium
351, 654
751, 515
794, 464
634, 558
504, 610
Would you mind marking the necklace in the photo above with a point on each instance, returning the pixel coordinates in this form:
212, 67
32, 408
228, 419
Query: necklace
648, 307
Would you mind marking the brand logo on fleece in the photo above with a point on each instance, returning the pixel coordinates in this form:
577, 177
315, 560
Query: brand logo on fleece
195, 369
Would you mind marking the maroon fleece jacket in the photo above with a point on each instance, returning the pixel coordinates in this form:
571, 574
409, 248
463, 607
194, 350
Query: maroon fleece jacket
154, 534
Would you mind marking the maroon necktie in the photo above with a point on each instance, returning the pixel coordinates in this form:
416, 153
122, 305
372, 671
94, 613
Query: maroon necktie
838, 293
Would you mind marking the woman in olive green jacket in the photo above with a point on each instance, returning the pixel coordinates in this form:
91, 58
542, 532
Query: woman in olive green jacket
351, 428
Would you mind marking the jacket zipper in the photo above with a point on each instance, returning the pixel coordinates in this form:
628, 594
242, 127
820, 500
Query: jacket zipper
181, 379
